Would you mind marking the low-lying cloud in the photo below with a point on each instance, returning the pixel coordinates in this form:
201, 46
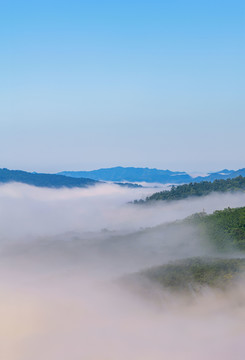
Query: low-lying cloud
27, 210
59, 297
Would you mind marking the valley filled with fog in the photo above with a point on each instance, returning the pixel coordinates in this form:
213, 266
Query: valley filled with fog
63, 253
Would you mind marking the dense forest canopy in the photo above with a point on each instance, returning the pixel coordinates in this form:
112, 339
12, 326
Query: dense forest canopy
197, 189
224, 228
193, 273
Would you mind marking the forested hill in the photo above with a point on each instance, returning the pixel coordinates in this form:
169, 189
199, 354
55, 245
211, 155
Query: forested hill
43, 180
224, 228
197, 189
190, 275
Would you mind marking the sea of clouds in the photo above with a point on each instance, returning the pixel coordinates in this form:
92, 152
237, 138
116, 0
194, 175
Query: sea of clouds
61, 253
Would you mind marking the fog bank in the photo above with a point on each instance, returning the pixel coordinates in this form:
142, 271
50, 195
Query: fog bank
59, 292
27, 210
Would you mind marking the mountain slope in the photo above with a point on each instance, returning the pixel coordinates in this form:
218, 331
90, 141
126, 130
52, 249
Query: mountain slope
224, 230
43, 180
198, 189
190, 275
132, 174
223, 174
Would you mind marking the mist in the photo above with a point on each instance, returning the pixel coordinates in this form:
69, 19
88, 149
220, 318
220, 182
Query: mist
27, 210
62, 253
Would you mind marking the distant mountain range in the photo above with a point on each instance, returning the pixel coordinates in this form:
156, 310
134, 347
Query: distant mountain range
118, 175
132, 174
43, 180
223, 174
51, 180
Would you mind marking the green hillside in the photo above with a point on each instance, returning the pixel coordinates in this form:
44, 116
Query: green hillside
224, 228
193, 273
225, 231
197, 189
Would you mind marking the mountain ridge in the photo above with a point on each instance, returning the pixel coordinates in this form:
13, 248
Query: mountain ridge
122, 176
43, 180
132, 174
151, 175
51, 180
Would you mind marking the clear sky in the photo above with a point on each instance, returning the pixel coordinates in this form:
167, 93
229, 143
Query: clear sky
96, 83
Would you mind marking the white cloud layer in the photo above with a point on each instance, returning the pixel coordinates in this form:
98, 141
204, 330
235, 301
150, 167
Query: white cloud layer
26, 210
58, 296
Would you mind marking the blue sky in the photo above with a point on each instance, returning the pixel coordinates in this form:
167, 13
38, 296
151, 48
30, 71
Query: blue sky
89, 84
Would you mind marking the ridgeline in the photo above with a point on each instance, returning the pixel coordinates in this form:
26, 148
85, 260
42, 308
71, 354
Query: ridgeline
43, 180
197, 189
51, 180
